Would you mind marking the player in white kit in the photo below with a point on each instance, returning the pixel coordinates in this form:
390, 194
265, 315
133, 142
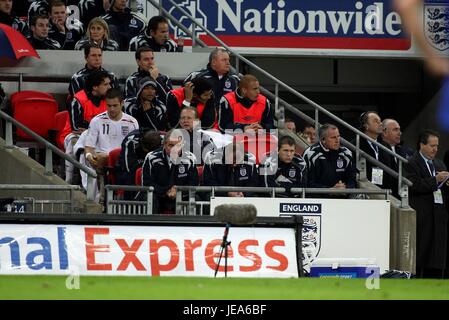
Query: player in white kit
108, 129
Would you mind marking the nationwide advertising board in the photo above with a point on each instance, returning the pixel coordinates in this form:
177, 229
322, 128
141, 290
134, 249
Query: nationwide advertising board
146, 251
360, 27
333, 228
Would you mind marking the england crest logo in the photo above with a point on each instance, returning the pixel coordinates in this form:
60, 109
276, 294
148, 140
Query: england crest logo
340, 163
311, 239
292, 173
193, 7
436, 24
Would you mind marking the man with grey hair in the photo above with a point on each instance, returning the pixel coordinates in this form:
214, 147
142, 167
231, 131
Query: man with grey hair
167, 167
371, 125
391, 138
218, 72
329, 164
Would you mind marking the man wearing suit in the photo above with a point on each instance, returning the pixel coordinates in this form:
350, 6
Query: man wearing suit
428, 197
370, 125
391, 138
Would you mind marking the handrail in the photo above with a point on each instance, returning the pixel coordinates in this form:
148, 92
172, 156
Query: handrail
91, 174
344, 141
304, 191
43, 187
286, 86
281, 190
192, 190
296, 93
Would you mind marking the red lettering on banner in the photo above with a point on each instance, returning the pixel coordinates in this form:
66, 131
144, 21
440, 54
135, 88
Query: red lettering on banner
91, 248
189, 248
156, 267
255, 258
283, 261
211, 256
130, 254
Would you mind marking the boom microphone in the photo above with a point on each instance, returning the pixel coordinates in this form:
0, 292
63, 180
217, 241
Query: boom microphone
236, 213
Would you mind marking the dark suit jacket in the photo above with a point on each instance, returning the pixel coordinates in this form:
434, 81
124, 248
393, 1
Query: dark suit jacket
431, 218
382, 157
389, 181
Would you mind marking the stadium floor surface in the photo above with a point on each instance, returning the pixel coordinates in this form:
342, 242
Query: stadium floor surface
173, 288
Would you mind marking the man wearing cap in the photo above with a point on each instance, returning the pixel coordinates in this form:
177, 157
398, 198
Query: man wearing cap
123, 24
149, 111
155, 36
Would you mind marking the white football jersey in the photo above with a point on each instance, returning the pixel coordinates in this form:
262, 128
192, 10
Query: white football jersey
106, 134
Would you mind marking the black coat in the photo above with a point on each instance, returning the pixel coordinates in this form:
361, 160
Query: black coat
382, 156
390, 161
431, 218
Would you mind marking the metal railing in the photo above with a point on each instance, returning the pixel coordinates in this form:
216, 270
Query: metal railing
189, 207
403, 183
129, 207
49, 150
34, 205
192, 206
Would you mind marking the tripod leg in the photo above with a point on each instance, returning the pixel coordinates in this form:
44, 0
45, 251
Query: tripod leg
226, 259
218, 264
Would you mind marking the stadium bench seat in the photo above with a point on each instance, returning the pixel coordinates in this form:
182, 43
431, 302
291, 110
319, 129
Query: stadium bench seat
138, 179
57, 131
258, 145
34, 109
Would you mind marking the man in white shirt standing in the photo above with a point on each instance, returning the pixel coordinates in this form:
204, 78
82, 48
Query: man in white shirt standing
107, 130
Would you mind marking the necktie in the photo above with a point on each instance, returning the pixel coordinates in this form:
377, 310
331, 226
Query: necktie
431, 167
394, 150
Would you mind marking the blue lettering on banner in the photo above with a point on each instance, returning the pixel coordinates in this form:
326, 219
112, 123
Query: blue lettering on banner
15, 253
40, 258
309, 208
63, 258
367, 24
45, 252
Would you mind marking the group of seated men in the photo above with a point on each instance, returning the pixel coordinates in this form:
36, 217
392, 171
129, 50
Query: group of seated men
213, 98
69, 25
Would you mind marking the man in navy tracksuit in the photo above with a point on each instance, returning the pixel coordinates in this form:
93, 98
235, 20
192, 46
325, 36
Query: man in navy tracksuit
123, 24
284, 169
231, 166
218, 71
330, 165
136, 145
167, 167
149, 111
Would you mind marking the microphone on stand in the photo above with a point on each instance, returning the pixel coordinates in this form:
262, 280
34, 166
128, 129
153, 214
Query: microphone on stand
237, 214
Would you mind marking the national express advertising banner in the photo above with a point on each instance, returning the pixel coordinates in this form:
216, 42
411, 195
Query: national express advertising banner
146, 251
297, 24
